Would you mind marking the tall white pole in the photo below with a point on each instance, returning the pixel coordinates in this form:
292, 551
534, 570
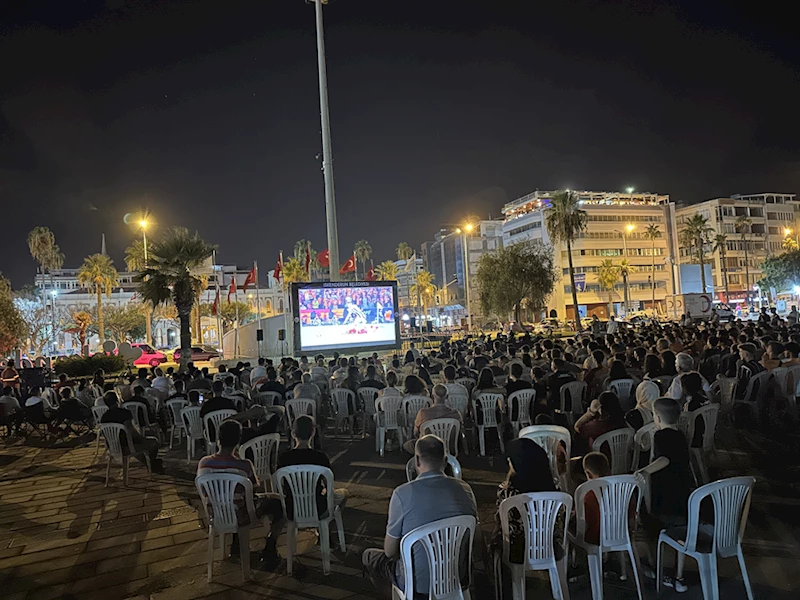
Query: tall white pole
258, 307
327, 152
466, 283
218, 301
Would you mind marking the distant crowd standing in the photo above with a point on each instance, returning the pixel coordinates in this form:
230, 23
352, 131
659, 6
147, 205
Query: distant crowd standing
653, 377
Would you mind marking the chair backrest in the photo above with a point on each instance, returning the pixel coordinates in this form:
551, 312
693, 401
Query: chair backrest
447, 430
550, 437
623, 388
643, 441
442, 542
175, 407
212, 420
452, 463
523, 398
343, 400
298, 407
268, 398
139, 412
302, 483
390, 407
709, 414
538, 516
412, 405
787, 378
97, 413
112, 434
265, 454
620, 442
367, 396
467, 382
572, 396
218, 490
614, 495
731, 499
49, 395
487, 402
755, 387
192, 422
727, 385
458, 400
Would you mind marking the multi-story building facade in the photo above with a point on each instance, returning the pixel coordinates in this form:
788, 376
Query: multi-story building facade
616, 228
772, 217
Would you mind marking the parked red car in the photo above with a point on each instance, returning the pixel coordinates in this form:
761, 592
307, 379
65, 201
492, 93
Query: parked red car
199, 353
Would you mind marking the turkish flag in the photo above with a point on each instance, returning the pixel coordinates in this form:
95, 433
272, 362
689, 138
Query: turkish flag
349, 266
324, 258
308, 258
215, 306
250, 279
232, 288
371, 273
278, 269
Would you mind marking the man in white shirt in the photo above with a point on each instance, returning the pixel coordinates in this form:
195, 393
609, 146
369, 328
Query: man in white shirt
450, 383
613, 326
260, 372
141, 380
12, 409
163, 384
684, 363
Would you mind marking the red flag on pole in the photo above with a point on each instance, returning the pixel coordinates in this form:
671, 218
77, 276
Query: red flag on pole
324, 258
349, 266
250, 279
371, 273
277, 273
308, 258
232, 288
215, 306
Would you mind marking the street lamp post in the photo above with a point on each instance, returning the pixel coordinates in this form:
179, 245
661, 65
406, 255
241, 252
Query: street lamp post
467, 228
147, 322
53, 296
327, 152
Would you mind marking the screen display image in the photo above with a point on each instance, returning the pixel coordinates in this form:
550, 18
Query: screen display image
353, 315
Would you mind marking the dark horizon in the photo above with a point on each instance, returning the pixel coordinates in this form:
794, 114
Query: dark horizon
207, 115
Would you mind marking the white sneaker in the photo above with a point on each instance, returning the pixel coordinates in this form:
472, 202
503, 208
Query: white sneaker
677, 584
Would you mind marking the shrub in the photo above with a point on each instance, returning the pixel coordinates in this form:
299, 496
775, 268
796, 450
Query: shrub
79, 366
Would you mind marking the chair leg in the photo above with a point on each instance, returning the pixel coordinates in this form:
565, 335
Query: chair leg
340, 528
659, 566
500, 437
291, 544
517, 582
482, 440
498, 576
108, 469
325, 545
562, 578
636, 565
125, 461
382, 440
596, 575
210, 553
745, 576
171, 436
244, 552
707, 565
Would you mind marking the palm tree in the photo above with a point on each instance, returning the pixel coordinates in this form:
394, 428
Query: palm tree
565, 222
98, 273
404, 251
625, 269
362, 251
695, 237
743, 226
387, 271
300, 250
173, 273
424, 288
608, 276
652, 233
134, 261
721, 246
45, 251
294, 270
789, 243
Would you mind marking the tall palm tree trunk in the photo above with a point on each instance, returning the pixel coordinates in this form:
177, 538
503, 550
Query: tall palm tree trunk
746, 273
610, 304
653, 283
572, 286
185, 319
626, 293
702, 265
100, 324
148, 323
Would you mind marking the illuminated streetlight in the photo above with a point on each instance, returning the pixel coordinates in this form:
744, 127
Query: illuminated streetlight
469, 227
630, 190
787, 232
630, 227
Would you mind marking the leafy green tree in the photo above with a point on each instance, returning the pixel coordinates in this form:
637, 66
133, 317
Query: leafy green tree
386, 271
695, 237
565, 222
81, 320
519, 274
173, 274
98, 273
227, 312
43, 323
608, 275
125, 323
12, 326
294, 270
781, 271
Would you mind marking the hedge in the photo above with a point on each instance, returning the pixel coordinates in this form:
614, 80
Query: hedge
79, 366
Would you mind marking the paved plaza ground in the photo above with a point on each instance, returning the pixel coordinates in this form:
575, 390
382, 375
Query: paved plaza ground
63, 535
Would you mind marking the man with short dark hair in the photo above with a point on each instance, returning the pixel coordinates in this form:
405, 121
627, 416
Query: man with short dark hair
141, 380
555, 380
515, 382
199, 383
746, 368
430, 497
272, 384
372, 379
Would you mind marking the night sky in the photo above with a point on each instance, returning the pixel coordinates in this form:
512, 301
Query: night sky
206, 113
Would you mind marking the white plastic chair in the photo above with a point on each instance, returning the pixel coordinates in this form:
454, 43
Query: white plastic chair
620, 442
754, 393
411, 406
218, 490
572, 396
367, 397
487, 402
458, 400
268, 398
211, 421
112, 434
643, 442
265, 456
709, 414
301, 482
442, 543
550, 438
452, 462
343, 400
731, 499
97, 413
141, 418
524, 399
388, 408
298, 407
175, 407
614, 495
447, 430
538, 515
193, 425
467, 382
724, 387
624, 389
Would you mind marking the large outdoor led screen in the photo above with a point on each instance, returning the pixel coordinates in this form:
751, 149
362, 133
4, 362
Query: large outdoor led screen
346, 315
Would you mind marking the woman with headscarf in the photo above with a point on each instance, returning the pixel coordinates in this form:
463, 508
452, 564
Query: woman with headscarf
528, 472
647, 392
